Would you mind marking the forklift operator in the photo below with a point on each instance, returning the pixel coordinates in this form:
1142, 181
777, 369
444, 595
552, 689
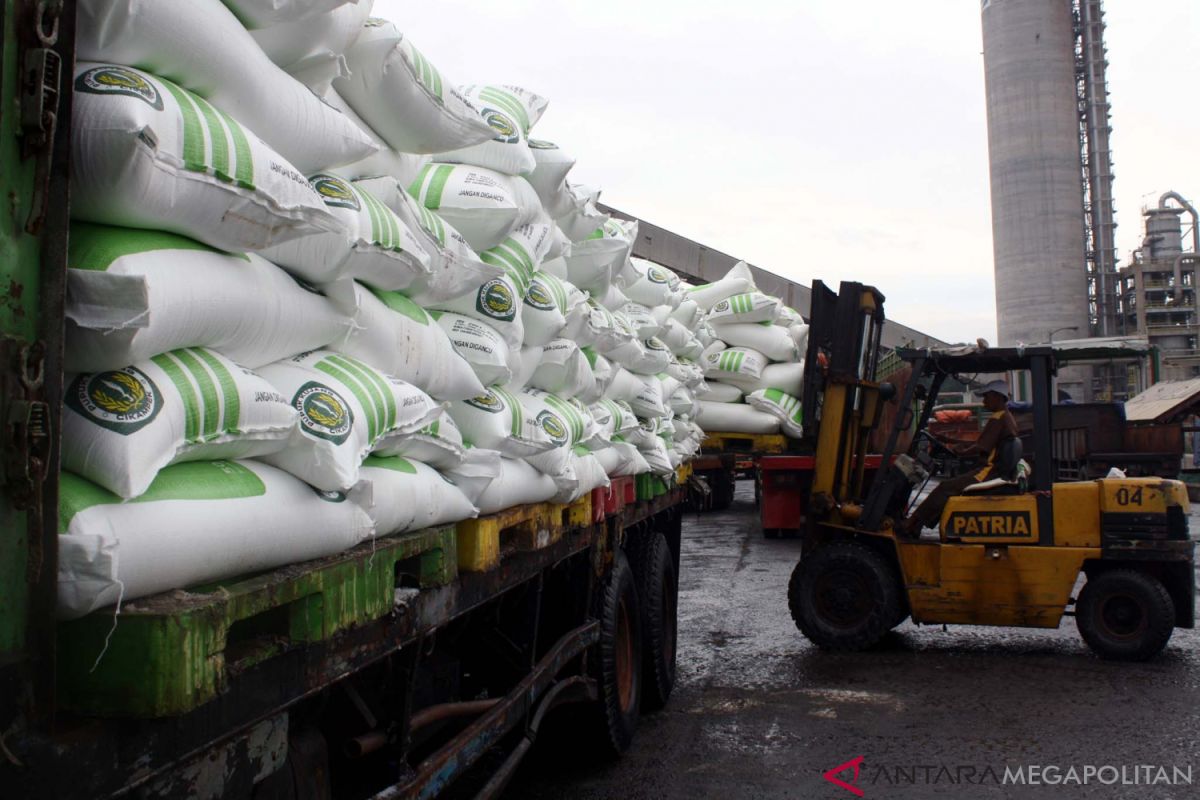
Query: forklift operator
1000, 428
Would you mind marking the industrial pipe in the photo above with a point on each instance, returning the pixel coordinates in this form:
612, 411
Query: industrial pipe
1188, 207
432, 714
364, 745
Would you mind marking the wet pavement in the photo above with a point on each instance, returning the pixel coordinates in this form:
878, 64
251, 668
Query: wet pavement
758, 712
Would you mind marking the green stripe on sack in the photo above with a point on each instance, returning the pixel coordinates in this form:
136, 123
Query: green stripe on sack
414, 188
95, 247
402, 305
231, 404
360, 393
437, 184
208, 392
509, 103
387, 221
372, 214
244, 169
740, 357
515, 410
194, 151
191, 403
568, 411
556, 288
216, 135
385, 402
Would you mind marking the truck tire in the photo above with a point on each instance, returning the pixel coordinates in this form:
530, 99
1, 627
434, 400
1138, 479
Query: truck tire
844, 596
658, 593
616, 666
1125, 615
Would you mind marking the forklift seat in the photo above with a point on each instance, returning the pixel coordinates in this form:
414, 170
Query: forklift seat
1013, 472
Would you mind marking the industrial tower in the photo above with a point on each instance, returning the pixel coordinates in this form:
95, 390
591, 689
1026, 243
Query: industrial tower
1051, 173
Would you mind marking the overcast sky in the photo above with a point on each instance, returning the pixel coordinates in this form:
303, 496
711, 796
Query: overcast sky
814, 139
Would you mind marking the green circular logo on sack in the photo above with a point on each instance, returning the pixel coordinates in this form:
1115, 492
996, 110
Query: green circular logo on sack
123, 400
542, 144
721, 306
335, 191
505, 128
489, 402
496, 300
538, 297
654, 343
329, 497
656, 275
323, 412
554, 427
119, 80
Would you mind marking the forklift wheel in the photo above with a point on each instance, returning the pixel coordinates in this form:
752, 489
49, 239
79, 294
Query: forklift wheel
844, 596
1125, 615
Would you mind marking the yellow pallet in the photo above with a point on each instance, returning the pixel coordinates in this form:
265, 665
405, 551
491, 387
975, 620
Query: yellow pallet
483, 542
726, 442
683, 472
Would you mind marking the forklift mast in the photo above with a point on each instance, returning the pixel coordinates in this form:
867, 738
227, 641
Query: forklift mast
842, 400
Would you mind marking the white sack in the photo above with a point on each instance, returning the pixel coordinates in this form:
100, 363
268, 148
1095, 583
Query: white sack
745, 307
517, 484
199, 522
496, 420
737, 281
549, 177
735, 418
719, 392
132, 294
564, 369
653, 285
787, 378
261, 13
395, 335
508, 112
497, 303
589, 474
483, 205
439, 444
408, 496
772, 341
734, 362
584, 217
374, 245
480, 345
523, 362
643, 393
347, 409
784, 407
147, 154
542, 312
454, 267
120, 427
201, 46
404, 98
313, 43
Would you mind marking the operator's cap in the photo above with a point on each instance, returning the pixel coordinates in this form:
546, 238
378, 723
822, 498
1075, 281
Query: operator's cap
997, 386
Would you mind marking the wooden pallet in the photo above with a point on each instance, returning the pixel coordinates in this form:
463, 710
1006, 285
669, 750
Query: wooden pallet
726, 442
483, 542
172, 652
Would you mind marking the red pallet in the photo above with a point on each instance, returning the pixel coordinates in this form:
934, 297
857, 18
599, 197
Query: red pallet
612, 500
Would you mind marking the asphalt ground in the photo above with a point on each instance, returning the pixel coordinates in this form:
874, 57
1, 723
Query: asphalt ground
759, 712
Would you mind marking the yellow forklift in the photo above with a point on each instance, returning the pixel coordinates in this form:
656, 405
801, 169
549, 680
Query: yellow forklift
1009, 552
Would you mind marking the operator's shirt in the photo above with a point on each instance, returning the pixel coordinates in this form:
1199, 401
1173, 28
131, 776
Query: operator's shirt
1000, 428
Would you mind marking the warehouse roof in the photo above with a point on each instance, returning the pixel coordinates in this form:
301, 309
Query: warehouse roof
1164, 401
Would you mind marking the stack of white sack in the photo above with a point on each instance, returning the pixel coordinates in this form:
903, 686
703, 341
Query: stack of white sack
753, 358
309, 273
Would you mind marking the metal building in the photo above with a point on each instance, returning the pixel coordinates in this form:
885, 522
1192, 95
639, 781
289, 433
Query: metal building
1051, 175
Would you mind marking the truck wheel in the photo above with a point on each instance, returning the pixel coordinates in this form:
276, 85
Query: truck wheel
1125, 615
618, 661
658, 593
844, 596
